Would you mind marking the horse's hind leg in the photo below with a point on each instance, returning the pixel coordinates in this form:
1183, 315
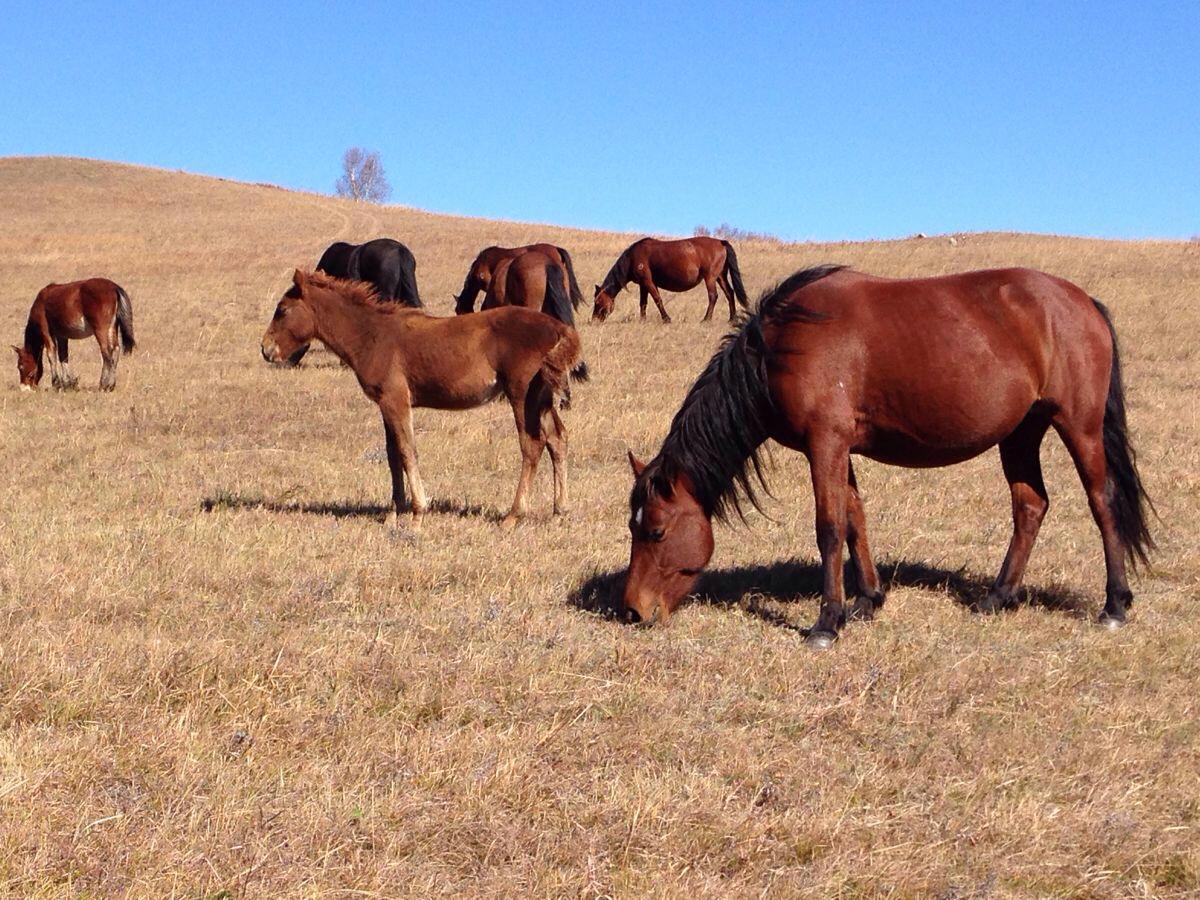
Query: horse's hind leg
870, 588
532, 445
1020, 456
711, 287
556, 443
727, 290
1087, 450
110, 353
643, 299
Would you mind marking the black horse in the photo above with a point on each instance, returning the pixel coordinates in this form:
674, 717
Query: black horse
384, 263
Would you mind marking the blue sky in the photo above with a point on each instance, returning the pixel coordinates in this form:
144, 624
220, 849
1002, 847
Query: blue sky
808, 120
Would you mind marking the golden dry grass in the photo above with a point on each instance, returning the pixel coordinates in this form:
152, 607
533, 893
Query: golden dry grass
218, 672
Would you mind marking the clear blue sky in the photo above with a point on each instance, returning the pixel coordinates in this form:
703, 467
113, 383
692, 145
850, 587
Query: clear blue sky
808, 120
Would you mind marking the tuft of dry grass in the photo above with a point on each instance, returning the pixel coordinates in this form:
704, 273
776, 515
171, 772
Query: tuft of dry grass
219, 673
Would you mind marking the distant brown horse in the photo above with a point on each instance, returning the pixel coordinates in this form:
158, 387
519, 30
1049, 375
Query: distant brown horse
481, 275
404, 358
673, 266
523, 281
927, 372
66, 312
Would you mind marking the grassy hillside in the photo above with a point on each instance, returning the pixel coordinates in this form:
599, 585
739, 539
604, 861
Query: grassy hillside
218, 671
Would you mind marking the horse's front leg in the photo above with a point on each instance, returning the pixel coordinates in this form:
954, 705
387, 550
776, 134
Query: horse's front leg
870, 589
402, 459
643, 299
829, 462
662, 310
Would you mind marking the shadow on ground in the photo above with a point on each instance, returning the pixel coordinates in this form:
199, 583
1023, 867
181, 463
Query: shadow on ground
794, 580
380, 511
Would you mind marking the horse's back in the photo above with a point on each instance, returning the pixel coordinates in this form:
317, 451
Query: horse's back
933, 370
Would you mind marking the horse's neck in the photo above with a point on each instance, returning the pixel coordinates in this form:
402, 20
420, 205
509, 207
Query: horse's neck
33, 337
618, 275
344, 326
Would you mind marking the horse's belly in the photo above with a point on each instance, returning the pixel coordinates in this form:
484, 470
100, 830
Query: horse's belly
898, 449
77, 329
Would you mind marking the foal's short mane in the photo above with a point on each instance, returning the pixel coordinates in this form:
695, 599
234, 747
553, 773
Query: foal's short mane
716, 437
361, 293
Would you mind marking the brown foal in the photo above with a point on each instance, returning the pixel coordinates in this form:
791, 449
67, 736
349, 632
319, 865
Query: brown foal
66, 312
404, 358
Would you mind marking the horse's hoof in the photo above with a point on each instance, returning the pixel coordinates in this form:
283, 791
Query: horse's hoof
1112, 623
508, 523
820, 640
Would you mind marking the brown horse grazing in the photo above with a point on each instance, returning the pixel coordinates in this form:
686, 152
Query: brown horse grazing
405, 358
523, 281
674, 266
927, 372
482, 274
65, 312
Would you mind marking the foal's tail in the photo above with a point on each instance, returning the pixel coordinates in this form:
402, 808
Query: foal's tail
1128, 499
561, 359
558, 306
576, 294
125, 320
735, 274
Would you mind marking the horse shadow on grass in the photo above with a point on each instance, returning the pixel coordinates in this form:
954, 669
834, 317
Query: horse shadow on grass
796, 580
341, 510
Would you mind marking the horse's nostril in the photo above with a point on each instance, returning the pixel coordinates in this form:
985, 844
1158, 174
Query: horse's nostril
631, 616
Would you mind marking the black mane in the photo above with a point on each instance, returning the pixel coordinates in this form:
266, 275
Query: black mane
717, 435
618, 276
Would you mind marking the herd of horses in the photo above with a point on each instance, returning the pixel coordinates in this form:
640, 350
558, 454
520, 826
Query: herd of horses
831, 363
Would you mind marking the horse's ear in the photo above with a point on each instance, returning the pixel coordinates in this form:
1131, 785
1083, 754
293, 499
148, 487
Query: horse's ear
298, 279
16, 349
636, 464
596, 287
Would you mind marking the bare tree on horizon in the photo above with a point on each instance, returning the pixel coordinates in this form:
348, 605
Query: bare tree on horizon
362, 177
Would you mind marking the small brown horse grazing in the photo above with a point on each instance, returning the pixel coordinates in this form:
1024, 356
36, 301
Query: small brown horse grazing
405, 358
65, 312
927, 372
482, 274
674, 266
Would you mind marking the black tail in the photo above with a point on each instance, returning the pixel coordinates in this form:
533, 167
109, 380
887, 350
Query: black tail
125, 321
558, 305
406, 285
576, 294
735, 274
1128, 499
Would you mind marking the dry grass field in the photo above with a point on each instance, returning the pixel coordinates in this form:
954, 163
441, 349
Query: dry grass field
220, 675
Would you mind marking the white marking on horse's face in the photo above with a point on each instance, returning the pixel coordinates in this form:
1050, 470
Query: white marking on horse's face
637, 516
27, 387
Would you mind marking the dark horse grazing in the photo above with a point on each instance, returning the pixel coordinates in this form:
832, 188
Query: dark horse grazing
385, 264
65, 312
481, 275
927, 372
674, 266
405, 358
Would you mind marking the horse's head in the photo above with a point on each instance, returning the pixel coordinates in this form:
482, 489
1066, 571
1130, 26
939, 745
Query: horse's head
463, 304
29, 368
292, 327
671, 540
604, 304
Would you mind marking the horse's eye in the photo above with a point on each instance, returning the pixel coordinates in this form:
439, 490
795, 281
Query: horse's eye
656, 535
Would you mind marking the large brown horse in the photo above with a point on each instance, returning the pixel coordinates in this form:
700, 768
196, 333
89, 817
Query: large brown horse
674, 266
927, 372
66, 312
404, 358
482, 274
